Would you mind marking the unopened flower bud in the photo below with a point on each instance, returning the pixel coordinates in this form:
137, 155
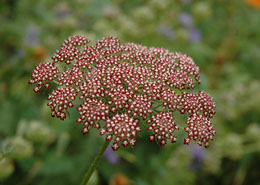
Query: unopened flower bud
39, 132
233, 146
252, 132
18, 147
6, 168
201, 10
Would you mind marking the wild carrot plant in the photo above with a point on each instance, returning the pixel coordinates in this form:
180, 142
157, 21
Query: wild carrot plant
119, 87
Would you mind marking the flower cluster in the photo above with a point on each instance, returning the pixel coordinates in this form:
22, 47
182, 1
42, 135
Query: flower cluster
140, 107
92, 110
71, 77
123, 128
119, 86
43, 74
60, 100
163, 126
194, 103
199, 129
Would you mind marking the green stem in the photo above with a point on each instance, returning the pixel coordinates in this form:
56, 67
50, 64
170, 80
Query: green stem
94, 164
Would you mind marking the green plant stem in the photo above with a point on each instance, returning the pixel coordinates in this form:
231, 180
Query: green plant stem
94, 164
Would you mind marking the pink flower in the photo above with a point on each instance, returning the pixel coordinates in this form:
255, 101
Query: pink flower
60, 100
199, 129
123, 129
162, 125
43, 74
197, 103
92, 111
118, 86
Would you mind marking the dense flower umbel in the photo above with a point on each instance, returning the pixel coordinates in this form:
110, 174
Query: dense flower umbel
118, 86
194, 103
92, 110
61, 100
199, 129
123, 128
163, 126
44, 73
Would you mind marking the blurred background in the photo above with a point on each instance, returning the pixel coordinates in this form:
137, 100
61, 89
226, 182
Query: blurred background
221, 36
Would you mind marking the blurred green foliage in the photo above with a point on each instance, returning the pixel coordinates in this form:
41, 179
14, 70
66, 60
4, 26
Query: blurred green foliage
221, 36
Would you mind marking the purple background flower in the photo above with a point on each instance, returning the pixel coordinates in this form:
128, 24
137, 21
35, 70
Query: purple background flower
198, 156
32, 36
195, 35
111, 156
166, 31
186, 1
186, 19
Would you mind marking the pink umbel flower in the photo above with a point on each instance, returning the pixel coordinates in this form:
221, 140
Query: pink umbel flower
92, 110
43, 74
199, 129
123, 128
60, 100
195, 103
163, 126
119, 88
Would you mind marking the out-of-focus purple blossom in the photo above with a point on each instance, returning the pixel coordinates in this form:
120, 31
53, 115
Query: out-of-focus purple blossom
19, 54
195, 35
166, 31
186, 19
186, 1
32, 36
111, 156
198, 153
198, 156
62, 12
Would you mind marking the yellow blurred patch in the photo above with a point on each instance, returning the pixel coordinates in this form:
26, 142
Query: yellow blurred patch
254, 3
120, 179
39, 54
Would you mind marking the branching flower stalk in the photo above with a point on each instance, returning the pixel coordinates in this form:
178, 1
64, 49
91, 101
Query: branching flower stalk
120, 86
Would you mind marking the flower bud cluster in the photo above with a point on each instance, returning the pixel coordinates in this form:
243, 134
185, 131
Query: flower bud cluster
60, 100
42, 73
153, 90
71, 77
92, 110
92, 87
171, 100
199, 129
69, 50
186, 65
121, 98
195, 103
163, 126
140, 107
77, 40
120, 85
123, 128
66, 54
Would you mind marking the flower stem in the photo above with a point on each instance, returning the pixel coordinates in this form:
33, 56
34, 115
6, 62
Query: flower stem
94, 164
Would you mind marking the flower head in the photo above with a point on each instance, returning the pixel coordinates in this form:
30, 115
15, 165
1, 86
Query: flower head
199, 129
166, 31
186, 19
60, 100
43, 74
195, 35
123, 129
91, 112
162, 125
111, 156
116, 87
